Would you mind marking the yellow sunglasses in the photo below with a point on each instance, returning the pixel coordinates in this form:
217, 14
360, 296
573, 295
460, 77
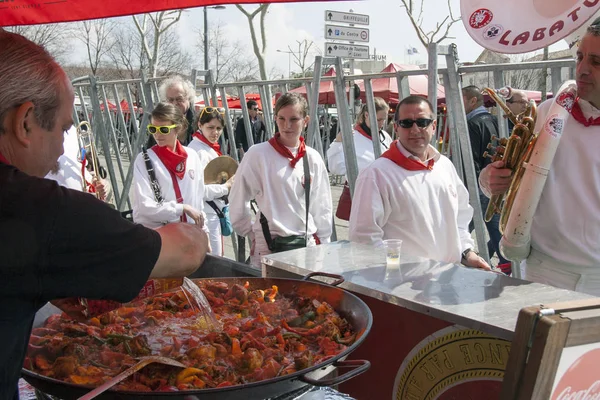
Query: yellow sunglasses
211, 110
163, 130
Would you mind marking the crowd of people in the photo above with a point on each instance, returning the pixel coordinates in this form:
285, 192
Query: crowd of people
280, 196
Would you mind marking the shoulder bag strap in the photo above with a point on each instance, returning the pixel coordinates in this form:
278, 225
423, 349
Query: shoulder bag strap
153, 181
214, 206
266, 231
306, 190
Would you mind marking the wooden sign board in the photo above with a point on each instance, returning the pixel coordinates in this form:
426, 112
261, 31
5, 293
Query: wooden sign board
555, 353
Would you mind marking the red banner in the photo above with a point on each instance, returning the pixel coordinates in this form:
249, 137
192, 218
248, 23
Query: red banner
31, 12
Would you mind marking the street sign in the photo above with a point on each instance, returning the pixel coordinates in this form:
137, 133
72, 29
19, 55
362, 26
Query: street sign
352, 51
347, 18
351, 34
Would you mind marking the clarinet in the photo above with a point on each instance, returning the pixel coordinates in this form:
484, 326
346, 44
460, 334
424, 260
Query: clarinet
153, 181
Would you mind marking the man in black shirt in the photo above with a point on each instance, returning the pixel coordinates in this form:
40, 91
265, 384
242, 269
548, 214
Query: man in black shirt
256, 124
56, 243
482, 126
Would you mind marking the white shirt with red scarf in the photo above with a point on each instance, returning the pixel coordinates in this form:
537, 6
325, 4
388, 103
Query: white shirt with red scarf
427, 209
363, 146
566, 224
265, 175
214, 191
146, 210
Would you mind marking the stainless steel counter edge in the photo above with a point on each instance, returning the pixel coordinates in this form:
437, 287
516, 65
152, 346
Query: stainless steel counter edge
471, 298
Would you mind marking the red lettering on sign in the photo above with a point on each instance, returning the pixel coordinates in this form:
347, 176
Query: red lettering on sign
503, 38
556, 27
590, 3
523, 38
573, 14
539, 34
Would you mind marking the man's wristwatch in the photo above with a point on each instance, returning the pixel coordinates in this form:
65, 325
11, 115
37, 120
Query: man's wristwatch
466, 253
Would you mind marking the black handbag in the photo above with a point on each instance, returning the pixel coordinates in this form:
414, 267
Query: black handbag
285, 243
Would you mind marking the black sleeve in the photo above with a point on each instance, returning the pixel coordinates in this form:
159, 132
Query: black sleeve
475, 135
240, 135
93, 252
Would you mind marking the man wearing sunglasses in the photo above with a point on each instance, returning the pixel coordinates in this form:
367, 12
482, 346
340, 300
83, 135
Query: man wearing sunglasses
57, 243
565, 230
413, 193
256, 124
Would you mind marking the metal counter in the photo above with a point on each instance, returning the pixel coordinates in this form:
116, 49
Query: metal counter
472, 298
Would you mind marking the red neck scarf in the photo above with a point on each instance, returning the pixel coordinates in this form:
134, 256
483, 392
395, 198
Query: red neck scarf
4, 160
394, 154
174, 161
284, 151
360, 130
577, 113
215, 146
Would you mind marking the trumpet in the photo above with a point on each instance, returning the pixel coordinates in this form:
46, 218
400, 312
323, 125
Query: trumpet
85, 137
514, 151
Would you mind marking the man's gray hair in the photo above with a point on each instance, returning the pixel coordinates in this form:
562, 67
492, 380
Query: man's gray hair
187, 86
28, 73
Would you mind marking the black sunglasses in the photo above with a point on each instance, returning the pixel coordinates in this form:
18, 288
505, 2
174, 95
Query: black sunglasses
408, 123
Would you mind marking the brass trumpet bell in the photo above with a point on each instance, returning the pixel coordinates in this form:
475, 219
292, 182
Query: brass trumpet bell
514, 151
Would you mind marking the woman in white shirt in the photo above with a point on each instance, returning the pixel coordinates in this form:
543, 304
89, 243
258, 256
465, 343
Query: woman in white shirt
364, 149
206, 143
168, 179
272, 173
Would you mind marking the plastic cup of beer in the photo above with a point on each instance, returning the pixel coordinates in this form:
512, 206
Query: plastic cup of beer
393, 249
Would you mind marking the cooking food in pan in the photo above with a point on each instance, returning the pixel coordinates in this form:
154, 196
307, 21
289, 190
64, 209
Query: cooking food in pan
264, 335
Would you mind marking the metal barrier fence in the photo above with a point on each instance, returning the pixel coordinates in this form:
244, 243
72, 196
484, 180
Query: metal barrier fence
118, 124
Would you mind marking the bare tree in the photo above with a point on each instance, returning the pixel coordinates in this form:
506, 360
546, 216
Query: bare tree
127, 55
53, 37
228, 59
172, 58
98, 39
304, 57
414, 10
260, 49
151, 28
525, 79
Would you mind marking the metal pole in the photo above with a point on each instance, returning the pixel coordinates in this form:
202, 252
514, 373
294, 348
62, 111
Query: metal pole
502, 121
455, 105
313, 137
373, 118
432, 62
205, 39
345, 122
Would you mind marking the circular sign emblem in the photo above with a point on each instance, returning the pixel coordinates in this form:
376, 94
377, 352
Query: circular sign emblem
364, 35
452, 361
480, 18
492, 31
581, 379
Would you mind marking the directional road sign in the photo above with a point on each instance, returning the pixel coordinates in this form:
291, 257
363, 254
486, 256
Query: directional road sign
347, 18
351, 34
346, 50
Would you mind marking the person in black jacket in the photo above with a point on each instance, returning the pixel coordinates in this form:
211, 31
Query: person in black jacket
256, 123
482, 126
